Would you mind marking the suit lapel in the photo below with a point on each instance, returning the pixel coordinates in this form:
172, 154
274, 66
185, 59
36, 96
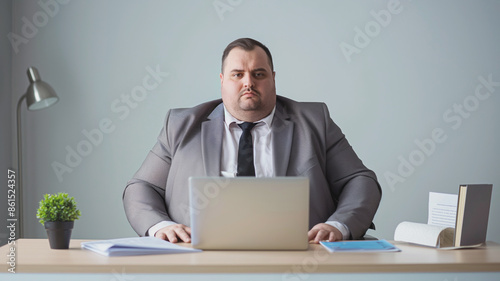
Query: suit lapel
211, 141
282, 130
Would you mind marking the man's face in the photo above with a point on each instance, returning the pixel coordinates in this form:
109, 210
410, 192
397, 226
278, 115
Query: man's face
247, 84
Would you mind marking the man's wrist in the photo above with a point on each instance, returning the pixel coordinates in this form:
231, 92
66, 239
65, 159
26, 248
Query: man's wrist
152, 230
342, 228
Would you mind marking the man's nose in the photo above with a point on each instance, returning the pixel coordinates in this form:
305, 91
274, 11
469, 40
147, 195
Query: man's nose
248, 82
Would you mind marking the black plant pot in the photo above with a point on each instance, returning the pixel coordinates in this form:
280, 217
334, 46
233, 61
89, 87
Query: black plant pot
59, 233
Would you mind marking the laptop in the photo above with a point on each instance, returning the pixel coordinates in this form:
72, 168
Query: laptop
247, 213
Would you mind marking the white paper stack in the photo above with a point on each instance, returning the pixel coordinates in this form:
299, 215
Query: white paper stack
135, 246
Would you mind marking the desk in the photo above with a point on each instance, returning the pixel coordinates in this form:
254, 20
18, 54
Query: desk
35, 256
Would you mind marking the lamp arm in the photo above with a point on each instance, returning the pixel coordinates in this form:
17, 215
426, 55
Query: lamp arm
19, 170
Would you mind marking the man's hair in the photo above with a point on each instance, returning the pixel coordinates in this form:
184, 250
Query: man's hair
247, 44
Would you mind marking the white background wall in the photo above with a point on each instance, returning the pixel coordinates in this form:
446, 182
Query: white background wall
403, 82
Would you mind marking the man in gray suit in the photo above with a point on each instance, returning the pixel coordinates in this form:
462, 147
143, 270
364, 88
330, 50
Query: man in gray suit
289, 139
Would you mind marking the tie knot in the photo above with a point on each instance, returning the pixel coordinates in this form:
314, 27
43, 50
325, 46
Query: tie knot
247, 126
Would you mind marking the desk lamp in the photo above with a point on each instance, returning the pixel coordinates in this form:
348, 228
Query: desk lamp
38, 96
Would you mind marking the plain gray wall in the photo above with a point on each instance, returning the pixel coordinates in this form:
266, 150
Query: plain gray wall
5, 111
394, 75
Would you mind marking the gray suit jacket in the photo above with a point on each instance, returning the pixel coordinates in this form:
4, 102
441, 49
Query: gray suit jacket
306, 142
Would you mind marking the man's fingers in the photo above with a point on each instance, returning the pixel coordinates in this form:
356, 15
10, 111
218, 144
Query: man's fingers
312, 234
183, 235
316, 235
161, 235
172, 236
320, 236
174, 233
323, 231
332, 237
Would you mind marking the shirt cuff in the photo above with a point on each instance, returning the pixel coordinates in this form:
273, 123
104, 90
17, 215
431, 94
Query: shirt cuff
342, 228
152, 230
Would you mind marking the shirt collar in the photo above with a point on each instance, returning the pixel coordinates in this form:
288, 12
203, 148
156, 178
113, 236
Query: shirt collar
230, 119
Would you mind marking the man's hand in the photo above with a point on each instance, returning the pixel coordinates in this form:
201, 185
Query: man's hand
173, 233
323, 231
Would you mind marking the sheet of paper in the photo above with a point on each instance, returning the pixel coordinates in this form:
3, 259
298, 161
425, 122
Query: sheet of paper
135, 246
442, 209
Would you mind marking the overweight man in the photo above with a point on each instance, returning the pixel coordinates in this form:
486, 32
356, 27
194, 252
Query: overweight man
285, 138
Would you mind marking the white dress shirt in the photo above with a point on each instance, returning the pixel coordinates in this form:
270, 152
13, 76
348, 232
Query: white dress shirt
262, 148
263, 157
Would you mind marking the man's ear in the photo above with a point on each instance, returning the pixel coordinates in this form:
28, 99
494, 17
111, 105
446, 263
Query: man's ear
221, 78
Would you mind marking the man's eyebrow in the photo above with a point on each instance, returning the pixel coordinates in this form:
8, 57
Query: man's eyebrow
253, 70
259, 69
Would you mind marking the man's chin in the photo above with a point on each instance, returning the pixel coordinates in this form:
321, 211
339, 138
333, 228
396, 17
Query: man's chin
248, 104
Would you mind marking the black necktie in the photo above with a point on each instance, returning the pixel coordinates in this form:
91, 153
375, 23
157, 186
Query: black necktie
245, 151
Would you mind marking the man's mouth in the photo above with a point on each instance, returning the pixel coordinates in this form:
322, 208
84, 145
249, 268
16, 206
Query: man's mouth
247, 93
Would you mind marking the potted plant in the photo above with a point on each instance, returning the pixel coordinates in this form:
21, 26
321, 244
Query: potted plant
57, 212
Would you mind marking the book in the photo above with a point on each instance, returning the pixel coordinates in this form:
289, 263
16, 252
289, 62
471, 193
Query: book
454, 221
425, 234
440, 228
360, 246
472, 214
135, 246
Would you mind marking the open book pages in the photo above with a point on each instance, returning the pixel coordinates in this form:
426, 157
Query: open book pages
439, 231
442, 209
424, 234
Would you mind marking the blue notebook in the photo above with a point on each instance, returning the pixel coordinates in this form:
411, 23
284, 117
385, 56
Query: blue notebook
360, 246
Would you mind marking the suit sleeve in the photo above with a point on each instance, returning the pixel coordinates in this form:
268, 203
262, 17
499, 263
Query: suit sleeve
144, 195
353, 186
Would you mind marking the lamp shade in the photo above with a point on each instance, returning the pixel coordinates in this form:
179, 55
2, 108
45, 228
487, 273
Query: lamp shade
39, 94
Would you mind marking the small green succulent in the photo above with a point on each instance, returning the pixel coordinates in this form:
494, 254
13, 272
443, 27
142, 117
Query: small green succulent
57, 207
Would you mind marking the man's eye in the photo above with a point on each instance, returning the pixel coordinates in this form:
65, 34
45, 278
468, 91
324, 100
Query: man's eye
259, 75
237, 75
